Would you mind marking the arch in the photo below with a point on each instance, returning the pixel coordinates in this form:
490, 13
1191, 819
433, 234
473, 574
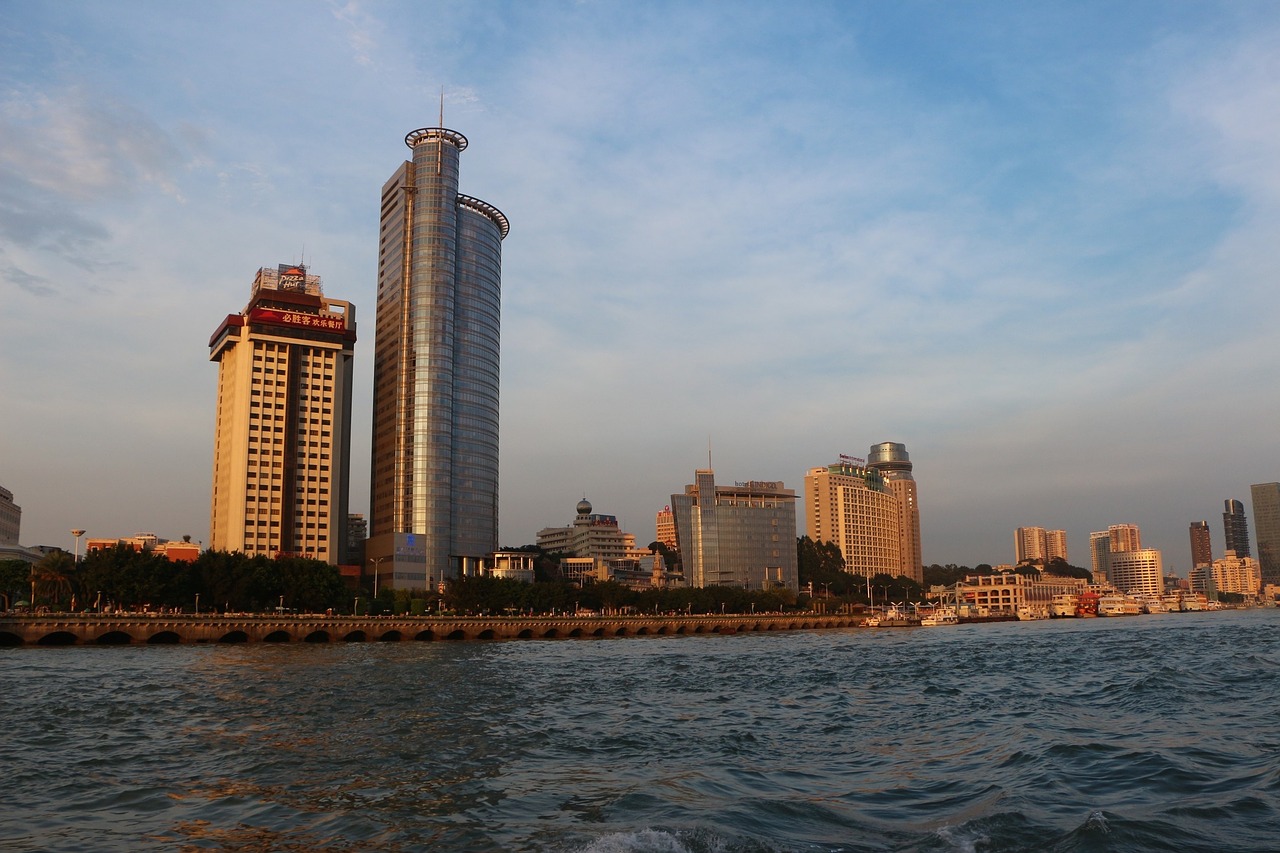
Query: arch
621, 631
525, 634
550, 634
356, 636
773, 626
599, 632
425, 636
8, 639
114, 638
57, 638
457, 635
392, 636
234, 637
682, 629
642, 631
316, 637
486, 634
700, 628
164, 638
576, 632
280, 636
663, 629
715, 629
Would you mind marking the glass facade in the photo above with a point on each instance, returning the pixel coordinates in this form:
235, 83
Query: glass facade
435, 422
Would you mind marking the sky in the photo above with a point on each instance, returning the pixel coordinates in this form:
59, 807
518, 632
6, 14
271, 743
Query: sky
1036, 243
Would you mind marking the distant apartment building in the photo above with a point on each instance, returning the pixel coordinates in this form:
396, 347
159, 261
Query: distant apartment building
894, 464
849, 503
10, 518
1266, 523
1201, 548
1099, 548
1231, 573
1037, 545
282, 435
1124, 537
591, 535
742, 535
1235, 528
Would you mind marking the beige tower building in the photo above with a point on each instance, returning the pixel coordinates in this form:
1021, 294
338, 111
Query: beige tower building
894, 464
283, 432
848, 503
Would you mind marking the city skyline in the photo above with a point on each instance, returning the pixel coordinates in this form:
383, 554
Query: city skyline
795, 234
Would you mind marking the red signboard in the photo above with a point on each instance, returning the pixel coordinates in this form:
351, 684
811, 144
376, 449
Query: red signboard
297, 319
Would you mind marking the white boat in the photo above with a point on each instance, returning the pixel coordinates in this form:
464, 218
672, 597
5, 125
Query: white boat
1064, 605
941, 616
1152, 604
1117, 605
1027, 613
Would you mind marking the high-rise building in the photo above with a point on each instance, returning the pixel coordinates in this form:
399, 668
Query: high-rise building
1235, 527
742, 535
894, 464
849, 503
1055, 546
665, 527
434, 484
1201, 549
283, 433
10, 518
1029, 545
1099, 548
1124, 537
1266, 523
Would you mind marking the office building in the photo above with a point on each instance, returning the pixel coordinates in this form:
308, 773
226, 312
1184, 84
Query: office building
742, 535
1201, 549
434, 479
1266, 523
849, 503
665, 528
592, 534
1235, 528
894, 464
283, 432
10, 518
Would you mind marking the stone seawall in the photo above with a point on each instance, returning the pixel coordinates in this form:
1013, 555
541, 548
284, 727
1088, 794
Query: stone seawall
144, 629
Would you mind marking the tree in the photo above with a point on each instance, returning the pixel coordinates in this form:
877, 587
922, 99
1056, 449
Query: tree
54, 579
1061, 568
15, 580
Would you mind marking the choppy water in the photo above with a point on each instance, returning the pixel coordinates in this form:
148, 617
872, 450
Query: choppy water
1153, 733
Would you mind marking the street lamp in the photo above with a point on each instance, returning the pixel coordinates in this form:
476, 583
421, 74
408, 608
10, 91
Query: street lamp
77, 533
377, 569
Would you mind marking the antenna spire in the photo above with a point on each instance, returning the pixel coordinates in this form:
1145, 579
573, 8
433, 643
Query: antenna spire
442, 106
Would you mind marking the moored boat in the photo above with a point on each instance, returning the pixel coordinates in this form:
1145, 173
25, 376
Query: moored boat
941, 616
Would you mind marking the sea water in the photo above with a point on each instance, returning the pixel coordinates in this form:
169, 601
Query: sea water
1137, 734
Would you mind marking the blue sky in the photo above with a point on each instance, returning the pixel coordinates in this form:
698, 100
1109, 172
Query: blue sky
1036, 243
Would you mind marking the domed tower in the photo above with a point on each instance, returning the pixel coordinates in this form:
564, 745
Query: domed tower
584, 507
894, 464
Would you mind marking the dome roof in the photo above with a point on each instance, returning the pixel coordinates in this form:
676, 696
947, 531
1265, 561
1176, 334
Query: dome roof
584, 507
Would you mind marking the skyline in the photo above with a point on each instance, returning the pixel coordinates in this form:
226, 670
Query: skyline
1030, 244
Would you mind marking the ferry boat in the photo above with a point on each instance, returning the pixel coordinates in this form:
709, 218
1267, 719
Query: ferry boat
1087, 605
1117, 605
1192, 601
941, 616
1027, 613
1063, 605
1152, 604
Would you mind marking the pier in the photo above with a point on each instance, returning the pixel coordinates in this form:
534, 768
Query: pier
73, 629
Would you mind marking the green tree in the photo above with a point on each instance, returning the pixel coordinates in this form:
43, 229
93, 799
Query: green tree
54, 580
15, 580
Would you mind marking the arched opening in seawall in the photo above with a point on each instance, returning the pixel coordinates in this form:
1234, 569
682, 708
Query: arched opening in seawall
114, 638
58, 638
164, 638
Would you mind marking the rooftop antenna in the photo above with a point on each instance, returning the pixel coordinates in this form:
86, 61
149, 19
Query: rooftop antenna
710, 467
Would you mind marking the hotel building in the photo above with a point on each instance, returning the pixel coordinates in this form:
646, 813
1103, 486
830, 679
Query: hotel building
1136, 572
283, 432
434, 479
894, 464
742, 535
591, 535
1266, 521
849, 503
1231, 573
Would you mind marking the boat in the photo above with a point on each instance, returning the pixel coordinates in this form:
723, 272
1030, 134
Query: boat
1027, 613
1114, 604
1063, 605
941, 616
1087, 605
1152, 603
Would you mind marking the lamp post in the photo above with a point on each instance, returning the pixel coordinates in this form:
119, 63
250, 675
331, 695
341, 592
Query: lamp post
77, 533
377, 570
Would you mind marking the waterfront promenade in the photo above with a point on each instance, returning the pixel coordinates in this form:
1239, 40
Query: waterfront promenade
71, 629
